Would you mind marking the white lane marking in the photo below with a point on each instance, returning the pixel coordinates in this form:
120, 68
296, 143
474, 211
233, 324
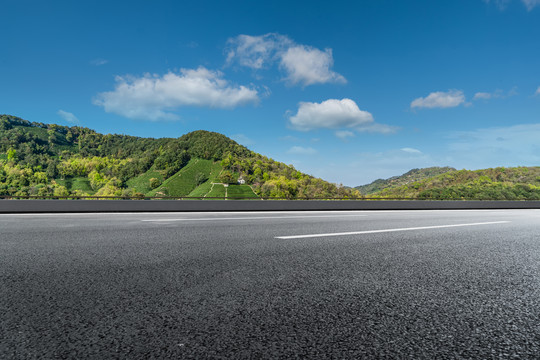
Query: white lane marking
388, 230
253, 218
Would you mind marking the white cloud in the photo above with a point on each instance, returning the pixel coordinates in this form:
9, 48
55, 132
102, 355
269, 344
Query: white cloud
307, 66
497, 94
69, 117
440, 99
99, 62
299, 150
482, 95
530, 4
152, 97
344, 134
537, 93
303, 65
256, 51
330, 114
411, 150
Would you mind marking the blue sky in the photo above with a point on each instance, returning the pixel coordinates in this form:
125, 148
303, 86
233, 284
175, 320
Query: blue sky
349, 91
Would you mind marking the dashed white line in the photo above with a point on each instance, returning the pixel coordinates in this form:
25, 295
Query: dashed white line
388, 230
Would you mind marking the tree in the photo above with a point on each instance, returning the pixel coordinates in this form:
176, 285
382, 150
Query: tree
52, 170
11, 155
227, 177
154, 183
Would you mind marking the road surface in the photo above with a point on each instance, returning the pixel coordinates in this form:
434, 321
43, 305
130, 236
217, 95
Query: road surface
363, 284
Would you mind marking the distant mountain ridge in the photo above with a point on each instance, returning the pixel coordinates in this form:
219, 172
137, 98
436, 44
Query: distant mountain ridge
407, 178
515, 183
38, 159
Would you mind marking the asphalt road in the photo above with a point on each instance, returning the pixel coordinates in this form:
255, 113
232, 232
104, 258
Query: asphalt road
347, 285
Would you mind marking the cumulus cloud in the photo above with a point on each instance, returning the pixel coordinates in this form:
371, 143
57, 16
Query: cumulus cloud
299, 150
330, 114
303, 65
307, 66
256, 52
411, 150
152, 97
440, 99
69, 117
537, 92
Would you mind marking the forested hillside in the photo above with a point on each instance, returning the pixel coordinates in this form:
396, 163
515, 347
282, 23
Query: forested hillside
519, 183
407, 178
39, 159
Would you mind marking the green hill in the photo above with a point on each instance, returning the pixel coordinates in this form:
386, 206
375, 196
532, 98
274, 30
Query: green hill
407, 178
518, 183
38, 159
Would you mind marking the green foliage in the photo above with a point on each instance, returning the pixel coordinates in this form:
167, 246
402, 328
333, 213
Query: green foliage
141, 183
184, 182
211, 145
488, 184
154, 183
11, 155
37, 158
240, 191
409, 177
204, 188
200, 178
79, 185
227, 177
218, 190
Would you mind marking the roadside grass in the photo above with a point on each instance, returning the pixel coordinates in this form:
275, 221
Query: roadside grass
184, 181
241, 191
141, 183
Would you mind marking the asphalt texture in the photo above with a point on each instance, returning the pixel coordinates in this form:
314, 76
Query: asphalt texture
224, 286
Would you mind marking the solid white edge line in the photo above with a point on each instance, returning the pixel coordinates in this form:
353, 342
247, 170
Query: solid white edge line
387, 230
